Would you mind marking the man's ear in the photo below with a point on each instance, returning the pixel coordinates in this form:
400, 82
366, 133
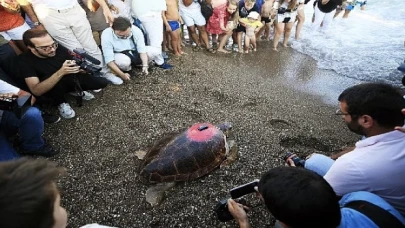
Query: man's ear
366, 121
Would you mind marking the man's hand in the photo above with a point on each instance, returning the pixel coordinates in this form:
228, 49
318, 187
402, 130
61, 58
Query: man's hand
145, 70
290, 162
109, 18
126, 77
400, 128
69, 67
238, 212
168, 28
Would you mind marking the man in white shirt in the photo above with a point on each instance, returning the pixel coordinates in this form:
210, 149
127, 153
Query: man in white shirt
377, 164
151, 16
67, 23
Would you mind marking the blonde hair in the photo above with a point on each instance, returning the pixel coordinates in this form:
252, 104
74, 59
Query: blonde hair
235, 16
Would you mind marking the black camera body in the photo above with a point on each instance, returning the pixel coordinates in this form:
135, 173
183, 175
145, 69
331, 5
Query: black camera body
17, 105
299, 162
221, 209
85, 61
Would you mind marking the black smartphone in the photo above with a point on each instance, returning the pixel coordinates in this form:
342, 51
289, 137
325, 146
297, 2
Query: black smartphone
243, 189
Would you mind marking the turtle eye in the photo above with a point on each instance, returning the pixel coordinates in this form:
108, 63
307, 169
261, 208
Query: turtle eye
202, 127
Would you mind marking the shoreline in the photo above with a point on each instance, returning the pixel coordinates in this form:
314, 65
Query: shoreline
260, 93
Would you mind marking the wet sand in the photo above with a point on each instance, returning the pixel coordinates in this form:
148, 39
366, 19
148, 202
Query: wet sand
267, 97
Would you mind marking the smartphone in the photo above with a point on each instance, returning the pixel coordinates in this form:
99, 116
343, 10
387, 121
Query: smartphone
243, 189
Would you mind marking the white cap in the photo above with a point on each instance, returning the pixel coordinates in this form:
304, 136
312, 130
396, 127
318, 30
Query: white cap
255, 15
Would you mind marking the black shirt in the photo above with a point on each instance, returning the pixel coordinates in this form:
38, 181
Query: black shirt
243, 12
43, 68
330, 6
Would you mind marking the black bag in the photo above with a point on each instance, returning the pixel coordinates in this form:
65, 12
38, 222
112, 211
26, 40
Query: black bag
206, 9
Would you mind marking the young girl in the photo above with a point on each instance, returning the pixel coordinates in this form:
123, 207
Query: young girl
286, 15
252, 25
222, 22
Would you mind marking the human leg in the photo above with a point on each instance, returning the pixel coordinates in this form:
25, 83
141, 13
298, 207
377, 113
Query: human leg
122, 61
319, 15
287, 32
253, 42
175, 38
193, 34
239, 39
89, 82
7, 152
279, 28
30, 128
301, 20
153, 25
327, 20
204, 36
16, 34
247, 43
319, 163
224, 39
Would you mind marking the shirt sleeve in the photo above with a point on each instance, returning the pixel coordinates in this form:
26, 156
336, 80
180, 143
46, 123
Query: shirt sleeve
345, 177
7, 88
139, 40
27, 70
107, 46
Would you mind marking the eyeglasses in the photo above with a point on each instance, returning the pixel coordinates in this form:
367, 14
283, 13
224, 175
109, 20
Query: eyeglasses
340, 113
48, 48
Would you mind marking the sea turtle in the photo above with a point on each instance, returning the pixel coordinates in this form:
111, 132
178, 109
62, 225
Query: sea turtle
186, 156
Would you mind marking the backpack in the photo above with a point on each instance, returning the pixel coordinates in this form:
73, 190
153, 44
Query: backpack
206, 9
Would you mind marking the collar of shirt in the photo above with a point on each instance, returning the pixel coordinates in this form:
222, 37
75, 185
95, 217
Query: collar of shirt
392, 135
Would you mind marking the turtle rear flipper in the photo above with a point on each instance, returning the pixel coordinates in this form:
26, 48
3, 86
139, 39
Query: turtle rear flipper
154, 195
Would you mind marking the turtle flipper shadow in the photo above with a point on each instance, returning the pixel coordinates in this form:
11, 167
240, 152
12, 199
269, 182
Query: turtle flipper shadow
154, 195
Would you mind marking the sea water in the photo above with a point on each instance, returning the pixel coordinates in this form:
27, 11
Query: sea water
367, 46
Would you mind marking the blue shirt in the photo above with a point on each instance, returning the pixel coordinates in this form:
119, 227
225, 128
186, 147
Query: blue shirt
352, 218
112, 44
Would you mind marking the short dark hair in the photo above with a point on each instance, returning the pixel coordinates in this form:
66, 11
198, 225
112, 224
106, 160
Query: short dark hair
33, 33
27, 193
121, 24
381, 101
300, 198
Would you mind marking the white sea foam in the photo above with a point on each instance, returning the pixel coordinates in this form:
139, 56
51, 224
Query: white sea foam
368, 46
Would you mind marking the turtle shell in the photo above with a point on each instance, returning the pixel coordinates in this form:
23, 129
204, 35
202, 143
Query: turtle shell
185, 156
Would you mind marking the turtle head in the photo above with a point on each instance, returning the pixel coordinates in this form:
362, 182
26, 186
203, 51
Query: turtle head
225, 128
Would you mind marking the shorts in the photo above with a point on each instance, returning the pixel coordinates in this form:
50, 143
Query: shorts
266, 20
15, 33
192, 17
174, 25
287, 17
240, 28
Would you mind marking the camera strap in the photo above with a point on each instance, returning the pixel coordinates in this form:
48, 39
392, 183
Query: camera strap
382, 218
79, 91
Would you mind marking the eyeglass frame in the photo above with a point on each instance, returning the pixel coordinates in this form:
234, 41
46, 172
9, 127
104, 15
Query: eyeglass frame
47, 48
123, 37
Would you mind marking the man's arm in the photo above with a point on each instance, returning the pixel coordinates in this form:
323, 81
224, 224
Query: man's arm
27, 7
38, 88
238, 213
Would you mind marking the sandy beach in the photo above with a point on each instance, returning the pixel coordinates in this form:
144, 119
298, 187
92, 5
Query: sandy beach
262, 94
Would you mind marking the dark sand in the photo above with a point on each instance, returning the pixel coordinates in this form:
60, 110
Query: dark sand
269, 117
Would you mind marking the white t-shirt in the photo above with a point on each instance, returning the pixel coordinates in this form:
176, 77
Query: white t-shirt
377, 165
194, 6
54, 4
7, 88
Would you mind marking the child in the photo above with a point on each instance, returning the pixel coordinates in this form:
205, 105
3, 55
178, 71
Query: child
252, 25
223, 21
171, 18
267, 18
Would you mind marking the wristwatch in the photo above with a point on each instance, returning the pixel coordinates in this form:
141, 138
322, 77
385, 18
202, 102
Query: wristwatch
36, 23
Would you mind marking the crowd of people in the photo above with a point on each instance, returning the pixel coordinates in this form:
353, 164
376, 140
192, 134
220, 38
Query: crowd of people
49, 49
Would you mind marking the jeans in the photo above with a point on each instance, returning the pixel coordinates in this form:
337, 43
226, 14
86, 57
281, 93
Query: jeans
30, 128
319, 163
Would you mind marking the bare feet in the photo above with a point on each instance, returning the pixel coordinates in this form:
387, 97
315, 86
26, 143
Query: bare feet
222, 50
246, 51
254, 49
275, 49
183, 53
240, 50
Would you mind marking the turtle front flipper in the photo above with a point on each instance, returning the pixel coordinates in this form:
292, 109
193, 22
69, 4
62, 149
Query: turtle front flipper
232, 154
155, 194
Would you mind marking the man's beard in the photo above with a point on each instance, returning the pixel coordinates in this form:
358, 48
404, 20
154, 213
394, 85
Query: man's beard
46, 55
356, 128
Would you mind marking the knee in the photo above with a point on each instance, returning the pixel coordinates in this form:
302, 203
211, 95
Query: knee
32, 114
123, 62
201, 28
287, 30
191, 29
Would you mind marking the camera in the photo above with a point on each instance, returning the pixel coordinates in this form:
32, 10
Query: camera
15, 104
221, 209
85, 61
299, 162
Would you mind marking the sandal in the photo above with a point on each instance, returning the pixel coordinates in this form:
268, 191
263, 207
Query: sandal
196, 48
211, 50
